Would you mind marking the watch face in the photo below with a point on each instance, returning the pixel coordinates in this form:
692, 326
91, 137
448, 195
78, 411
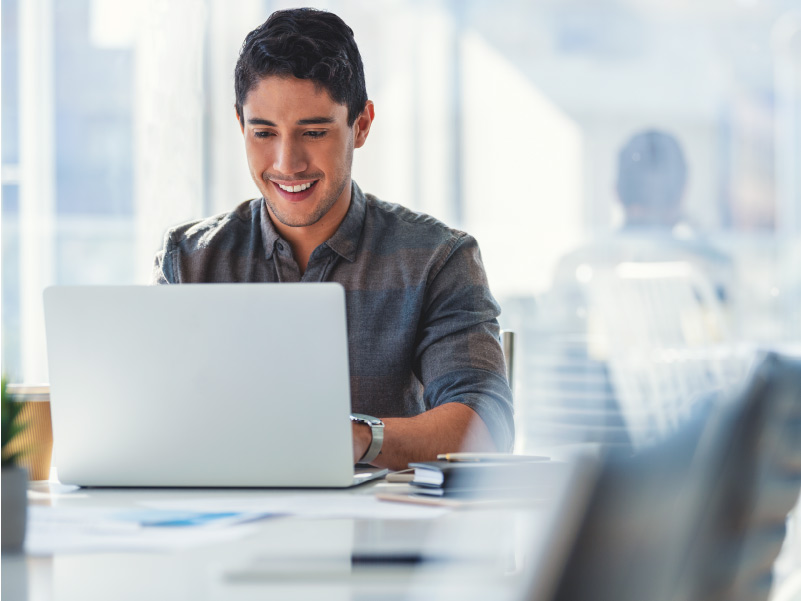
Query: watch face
366, 419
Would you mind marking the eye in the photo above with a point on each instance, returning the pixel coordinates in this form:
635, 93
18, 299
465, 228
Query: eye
262, 134
315, 133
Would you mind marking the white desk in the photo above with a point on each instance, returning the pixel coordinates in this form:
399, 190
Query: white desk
477, 554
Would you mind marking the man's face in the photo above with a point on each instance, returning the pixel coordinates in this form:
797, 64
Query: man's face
300, 149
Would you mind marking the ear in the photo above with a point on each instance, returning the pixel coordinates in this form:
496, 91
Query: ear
240, 121
361, 127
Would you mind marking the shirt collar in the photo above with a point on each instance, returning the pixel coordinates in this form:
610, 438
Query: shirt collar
345, 240
268, 232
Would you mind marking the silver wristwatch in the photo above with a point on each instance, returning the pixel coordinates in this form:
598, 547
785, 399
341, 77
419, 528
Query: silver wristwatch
377, 427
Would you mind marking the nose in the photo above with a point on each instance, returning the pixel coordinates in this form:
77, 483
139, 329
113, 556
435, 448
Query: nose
290, 157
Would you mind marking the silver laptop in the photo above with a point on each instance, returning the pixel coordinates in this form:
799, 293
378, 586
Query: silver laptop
218, 385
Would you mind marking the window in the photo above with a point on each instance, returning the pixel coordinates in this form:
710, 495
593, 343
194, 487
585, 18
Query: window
505, 119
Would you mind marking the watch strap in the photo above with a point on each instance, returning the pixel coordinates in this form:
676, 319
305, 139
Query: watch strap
377, 429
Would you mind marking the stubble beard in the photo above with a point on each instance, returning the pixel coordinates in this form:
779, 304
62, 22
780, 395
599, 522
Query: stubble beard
319, 212
322, 208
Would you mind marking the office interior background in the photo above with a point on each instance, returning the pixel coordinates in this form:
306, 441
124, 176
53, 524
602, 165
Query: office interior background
502, 118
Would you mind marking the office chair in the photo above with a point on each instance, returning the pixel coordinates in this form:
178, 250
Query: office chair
621, 358
628, 544
701, 515
750, 463
661, 318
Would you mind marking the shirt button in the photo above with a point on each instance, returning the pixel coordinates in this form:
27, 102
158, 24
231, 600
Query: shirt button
280, 246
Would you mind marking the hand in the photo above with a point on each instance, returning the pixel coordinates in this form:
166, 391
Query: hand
362, 437
444, 429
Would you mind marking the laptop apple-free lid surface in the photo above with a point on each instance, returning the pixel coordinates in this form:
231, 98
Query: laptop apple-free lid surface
220, 385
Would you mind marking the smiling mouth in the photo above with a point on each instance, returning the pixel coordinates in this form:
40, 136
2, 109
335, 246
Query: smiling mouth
293, 189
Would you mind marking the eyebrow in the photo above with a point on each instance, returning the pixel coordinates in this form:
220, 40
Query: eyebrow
316, 121
309, 121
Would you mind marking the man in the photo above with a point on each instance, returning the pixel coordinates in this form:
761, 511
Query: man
422, 328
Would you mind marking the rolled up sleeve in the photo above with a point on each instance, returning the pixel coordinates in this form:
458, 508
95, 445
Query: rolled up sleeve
163, 264
459, 356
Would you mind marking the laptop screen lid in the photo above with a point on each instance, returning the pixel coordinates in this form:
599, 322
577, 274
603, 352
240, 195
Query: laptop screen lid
200, 385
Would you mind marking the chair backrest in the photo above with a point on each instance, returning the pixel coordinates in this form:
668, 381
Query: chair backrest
624, 349
508, 344
660, 319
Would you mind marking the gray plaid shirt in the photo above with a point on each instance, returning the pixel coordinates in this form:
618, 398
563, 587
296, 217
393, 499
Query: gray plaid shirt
422, 323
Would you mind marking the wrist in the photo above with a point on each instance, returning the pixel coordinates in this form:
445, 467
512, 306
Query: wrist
363, 436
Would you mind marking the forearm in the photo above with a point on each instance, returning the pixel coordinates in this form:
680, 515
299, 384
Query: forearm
448, 428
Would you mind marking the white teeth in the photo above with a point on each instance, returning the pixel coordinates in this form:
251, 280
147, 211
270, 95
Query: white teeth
298, 188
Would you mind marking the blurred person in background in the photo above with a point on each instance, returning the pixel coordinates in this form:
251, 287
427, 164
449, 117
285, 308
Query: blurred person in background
651, 183
626, 312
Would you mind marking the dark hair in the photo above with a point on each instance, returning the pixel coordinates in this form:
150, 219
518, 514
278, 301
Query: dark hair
308, 44
652, 171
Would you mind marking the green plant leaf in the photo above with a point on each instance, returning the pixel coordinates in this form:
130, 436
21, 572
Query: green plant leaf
11, 425
12, 458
